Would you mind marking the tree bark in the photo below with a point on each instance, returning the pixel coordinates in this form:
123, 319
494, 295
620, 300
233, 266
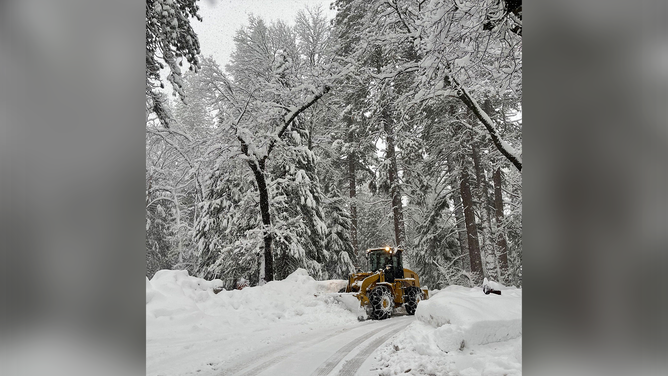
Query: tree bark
393, 175
471, 228
487, 246
260, 180
459, 218
352, 185
500, 238
178, 227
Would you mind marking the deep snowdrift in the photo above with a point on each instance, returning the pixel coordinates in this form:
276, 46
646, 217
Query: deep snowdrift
461, 331
462, 316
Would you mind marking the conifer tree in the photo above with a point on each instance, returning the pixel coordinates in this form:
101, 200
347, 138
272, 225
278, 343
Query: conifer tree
170, 39
261, 105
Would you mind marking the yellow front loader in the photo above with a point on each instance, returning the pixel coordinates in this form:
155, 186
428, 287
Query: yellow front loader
386, 286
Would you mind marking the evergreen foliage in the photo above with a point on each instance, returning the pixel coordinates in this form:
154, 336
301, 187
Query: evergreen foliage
395, 124
170, 39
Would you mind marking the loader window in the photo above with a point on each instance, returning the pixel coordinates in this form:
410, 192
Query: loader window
378, 260
398, 265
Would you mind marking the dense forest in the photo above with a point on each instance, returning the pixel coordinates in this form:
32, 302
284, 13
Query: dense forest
395, 123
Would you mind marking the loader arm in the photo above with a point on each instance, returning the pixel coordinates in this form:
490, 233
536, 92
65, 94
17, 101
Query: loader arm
364, 288
386, 286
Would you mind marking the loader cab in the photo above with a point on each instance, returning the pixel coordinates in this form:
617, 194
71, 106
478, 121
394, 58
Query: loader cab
381, 258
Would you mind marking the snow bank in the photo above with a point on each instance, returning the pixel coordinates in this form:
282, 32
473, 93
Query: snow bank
172, 292
189, 327
461, 316
175, 295
459, 331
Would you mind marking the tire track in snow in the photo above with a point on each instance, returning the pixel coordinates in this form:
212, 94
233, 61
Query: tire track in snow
280, 351
331, 363
351, 367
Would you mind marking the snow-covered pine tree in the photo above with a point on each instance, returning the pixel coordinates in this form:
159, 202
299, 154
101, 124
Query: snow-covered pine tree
299, 229
436, 251
170, 39
343, 259
228, 234
332, 175
453, 54
158, 236
260, 105
448, 61
345, 157
173, 183
429, 186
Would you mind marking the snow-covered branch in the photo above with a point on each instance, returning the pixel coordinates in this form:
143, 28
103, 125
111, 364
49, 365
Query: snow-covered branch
292, 115
504, 147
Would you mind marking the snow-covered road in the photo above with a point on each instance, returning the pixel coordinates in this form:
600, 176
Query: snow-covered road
343, 352
294, 327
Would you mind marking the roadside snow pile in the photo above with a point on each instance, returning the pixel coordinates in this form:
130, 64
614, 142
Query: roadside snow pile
189, 327
173, 294
464, 316
459, 331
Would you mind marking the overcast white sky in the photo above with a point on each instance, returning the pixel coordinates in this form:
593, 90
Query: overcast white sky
222, 18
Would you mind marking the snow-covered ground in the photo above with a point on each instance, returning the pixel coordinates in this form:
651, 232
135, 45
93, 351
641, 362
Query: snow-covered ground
459, 331
292, 327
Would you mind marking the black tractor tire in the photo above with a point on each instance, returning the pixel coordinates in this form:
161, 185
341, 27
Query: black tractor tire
412, 298
382, 303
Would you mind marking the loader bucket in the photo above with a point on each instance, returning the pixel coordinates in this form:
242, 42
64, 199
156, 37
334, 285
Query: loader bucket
352, 302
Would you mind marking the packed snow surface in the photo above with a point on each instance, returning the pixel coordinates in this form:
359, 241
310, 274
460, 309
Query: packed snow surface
190, 330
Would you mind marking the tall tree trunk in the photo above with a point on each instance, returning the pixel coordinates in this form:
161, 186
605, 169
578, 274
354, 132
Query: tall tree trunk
352, 185
471, 228
393, 175
258, 172
500, 238
178, 227
487, 247
310, 129
459, 218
